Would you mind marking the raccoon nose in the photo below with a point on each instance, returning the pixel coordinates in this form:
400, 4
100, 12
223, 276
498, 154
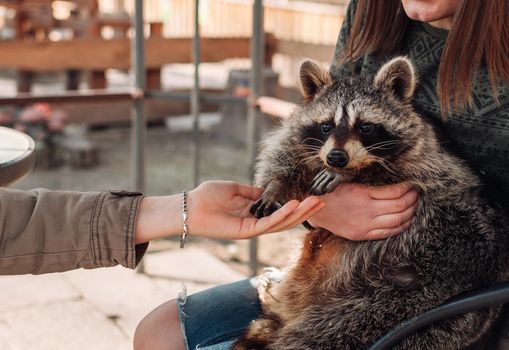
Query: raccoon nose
337, 159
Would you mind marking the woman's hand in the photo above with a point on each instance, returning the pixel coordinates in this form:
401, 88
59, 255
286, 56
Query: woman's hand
358, 212
220, 209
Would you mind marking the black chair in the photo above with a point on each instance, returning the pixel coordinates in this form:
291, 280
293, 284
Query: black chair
464, 303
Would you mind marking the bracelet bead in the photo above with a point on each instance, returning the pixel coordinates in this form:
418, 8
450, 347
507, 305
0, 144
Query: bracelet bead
184, 220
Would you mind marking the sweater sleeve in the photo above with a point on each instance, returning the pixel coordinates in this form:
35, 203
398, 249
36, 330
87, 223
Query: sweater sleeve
45, 231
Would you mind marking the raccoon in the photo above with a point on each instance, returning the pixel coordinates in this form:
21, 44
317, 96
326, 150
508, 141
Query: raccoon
342, 294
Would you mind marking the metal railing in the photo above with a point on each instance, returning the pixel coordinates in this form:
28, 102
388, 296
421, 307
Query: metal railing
257, 59
139, 93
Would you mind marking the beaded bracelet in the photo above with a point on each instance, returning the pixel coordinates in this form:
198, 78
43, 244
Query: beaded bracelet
184, 220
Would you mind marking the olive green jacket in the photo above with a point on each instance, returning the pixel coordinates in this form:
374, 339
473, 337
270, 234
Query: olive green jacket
51, 231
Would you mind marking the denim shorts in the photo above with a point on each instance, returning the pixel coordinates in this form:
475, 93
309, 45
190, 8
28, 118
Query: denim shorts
214, 318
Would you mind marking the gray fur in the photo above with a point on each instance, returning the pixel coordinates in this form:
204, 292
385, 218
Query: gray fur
456, 243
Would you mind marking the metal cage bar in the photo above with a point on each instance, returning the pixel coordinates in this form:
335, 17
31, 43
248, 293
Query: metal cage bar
195, 95
138, 109
256, 81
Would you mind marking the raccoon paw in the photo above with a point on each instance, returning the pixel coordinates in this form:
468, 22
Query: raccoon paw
325, 182
263, 207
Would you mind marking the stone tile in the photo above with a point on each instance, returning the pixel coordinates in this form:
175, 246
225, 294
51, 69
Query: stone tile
5, 337
19, 292
122, 294
75, 325
190, 264
190, 287
99, 309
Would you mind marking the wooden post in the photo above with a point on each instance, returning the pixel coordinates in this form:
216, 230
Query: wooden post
24, 81
73, 79
154, 74
97, 78
25, 78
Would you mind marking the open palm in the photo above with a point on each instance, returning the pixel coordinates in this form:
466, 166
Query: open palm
223, 210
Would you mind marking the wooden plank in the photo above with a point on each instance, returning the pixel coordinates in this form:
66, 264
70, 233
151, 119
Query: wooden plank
82, 96
99, 54
104, 112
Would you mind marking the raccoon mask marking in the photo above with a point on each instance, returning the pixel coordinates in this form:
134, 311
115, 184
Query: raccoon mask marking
340, 137
355, 138
343, 294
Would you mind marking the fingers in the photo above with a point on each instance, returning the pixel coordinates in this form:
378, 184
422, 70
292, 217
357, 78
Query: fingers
266, 223
387, 206
249, 192
306, 209
385, 233
291, 214
395, 219
389, 191
392, 224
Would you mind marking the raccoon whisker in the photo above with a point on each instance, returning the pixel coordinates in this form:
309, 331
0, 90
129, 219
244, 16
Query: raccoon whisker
386, 167
378, 159
384, 145
308, 153
312, 148
383, 163
388, 142
313, 139
305, 159
312, 161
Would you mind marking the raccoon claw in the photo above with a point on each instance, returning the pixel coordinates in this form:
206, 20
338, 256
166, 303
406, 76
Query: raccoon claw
264, 207
325, 182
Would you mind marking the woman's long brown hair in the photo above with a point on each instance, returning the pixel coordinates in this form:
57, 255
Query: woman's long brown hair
479, 35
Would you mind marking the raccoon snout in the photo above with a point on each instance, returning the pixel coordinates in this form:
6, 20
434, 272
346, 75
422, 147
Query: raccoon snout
337, 158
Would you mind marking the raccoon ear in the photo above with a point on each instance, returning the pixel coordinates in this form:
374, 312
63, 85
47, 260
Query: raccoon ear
398, 75
313, 78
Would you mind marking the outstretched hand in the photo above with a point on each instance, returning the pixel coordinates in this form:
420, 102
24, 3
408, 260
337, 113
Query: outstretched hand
220, 210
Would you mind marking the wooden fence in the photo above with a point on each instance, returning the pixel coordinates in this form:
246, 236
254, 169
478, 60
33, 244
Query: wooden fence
315, 23
302, 21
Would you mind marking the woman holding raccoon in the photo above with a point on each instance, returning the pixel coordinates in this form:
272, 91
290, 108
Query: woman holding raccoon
460, 50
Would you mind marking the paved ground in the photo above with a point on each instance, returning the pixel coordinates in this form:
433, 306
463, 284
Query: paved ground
99, 309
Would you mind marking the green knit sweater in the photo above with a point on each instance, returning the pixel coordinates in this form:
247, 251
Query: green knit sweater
478, 134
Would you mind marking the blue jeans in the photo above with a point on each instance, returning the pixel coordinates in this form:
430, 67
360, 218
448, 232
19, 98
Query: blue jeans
214, 318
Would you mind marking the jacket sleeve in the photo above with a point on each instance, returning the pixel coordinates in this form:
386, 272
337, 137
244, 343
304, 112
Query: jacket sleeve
51, 231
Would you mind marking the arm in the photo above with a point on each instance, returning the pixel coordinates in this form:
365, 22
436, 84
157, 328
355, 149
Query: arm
50, 231
45, 231
219, 210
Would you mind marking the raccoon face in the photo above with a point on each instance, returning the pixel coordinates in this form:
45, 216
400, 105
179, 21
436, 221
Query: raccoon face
353, 123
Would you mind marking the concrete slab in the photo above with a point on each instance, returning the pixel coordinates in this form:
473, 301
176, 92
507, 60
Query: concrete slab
99, 309
68, 325
190, 264
20, 292
124, 295
121, 294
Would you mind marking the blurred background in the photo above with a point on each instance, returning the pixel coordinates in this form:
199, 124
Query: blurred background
67, 48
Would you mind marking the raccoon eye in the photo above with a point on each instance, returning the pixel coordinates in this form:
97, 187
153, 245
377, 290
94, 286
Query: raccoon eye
326, 128
366, 128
